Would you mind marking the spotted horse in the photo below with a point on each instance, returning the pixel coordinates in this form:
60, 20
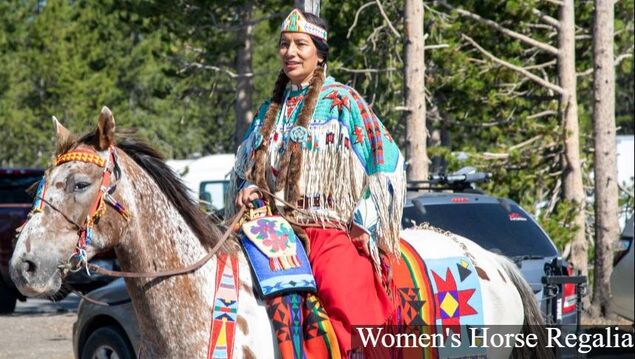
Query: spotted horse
442, 280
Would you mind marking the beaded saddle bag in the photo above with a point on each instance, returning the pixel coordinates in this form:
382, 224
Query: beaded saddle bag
277, 257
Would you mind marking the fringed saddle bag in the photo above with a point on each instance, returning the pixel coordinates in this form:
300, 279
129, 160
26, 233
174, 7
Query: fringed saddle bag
277, 257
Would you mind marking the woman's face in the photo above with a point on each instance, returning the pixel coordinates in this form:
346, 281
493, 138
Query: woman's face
298, 55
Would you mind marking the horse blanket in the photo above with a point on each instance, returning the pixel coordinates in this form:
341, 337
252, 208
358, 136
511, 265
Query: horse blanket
436, 297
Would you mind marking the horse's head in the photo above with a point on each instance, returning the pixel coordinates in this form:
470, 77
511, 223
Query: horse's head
73, 196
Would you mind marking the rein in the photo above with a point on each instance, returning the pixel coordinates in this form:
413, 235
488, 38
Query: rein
98, 208
191, 268
186, 270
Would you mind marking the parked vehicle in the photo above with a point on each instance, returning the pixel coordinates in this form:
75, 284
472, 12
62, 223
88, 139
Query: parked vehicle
212, 195
106, 331
500, 225
621, 302
15, 204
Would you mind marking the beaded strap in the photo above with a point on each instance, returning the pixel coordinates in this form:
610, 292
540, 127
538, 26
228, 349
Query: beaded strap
81, 156
98, 208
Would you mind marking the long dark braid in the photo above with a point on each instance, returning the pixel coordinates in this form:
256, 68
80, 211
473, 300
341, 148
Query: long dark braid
291, 162
290, 166
257, 173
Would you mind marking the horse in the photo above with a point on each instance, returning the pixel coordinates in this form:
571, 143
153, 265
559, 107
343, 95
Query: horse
158, 227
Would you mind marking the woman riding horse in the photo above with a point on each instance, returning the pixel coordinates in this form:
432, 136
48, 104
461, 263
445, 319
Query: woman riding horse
320, 148
317, 144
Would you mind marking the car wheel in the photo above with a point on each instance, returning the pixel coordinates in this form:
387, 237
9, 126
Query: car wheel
7, 298
107, 343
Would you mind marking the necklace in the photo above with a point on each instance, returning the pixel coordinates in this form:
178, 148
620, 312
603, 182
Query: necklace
284, 122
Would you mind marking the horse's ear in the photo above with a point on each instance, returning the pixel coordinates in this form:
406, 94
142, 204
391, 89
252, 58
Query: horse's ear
61, 133
63, 136
105, 129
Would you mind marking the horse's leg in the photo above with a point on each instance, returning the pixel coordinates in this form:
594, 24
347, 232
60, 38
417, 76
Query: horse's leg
255, 336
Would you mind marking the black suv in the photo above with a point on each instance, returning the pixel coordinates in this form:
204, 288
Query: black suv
15, 204
452, 203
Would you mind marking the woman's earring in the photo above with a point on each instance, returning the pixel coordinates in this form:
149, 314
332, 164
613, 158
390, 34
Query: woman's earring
324, 67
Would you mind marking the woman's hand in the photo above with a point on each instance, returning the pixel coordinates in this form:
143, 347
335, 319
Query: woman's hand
360, 240
246, 195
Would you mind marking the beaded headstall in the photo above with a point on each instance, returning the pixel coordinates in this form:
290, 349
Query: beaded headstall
98, 206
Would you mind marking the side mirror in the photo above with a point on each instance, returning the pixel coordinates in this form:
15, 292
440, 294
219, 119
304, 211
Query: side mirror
205, 199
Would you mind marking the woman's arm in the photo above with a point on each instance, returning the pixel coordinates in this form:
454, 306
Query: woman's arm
379, 209
238, 183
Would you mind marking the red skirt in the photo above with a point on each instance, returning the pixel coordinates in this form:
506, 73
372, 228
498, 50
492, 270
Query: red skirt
348, 287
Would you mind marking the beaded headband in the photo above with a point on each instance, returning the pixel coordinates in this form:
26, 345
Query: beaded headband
79, 155
296, 22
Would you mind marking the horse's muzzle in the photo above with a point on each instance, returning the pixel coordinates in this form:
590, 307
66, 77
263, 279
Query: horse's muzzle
33, 277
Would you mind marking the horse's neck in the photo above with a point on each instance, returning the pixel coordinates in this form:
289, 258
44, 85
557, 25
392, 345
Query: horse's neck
174, 313
170, 310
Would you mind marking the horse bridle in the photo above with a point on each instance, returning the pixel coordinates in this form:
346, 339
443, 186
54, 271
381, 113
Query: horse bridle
78, 259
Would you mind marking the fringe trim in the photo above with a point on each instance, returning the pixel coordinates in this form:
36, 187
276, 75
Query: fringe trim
389, 215
390, 189
331, 175
244, 163
282, 263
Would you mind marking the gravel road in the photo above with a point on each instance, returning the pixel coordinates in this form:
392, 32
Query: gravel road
39, 329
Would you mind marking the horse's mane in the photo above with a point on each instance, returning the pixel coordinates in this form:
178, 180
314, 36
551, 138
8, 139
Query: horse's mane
153, 163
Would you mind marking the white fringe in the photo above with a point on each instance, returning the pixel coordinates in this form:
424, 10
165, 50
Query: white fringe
389, 189
244, 162
334, 169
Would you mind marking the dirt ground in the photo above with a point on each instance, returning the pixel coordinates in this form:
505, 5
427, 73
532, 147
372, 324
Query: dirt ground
42, 329
39, 329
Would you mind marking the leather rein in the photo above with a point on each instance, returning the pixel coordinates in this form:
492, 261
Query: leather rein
78, 259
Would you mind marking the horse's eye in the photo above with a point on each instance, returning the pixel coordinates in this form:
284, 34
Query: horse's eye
80, 186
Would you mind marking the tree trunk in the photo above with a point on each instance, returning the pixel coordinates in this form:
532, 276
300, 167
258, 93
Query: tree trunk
312, 6
245, 84
606, 191
416, 154
572, 186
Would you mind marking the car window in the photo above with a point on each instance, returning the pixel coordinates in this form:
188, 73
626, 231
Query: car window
13, 188
213, 193
492, 226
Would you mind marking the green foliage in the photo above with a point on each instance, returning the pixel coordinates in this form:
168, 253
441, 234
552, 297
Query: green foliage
557, 223
69, 59
165, 68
